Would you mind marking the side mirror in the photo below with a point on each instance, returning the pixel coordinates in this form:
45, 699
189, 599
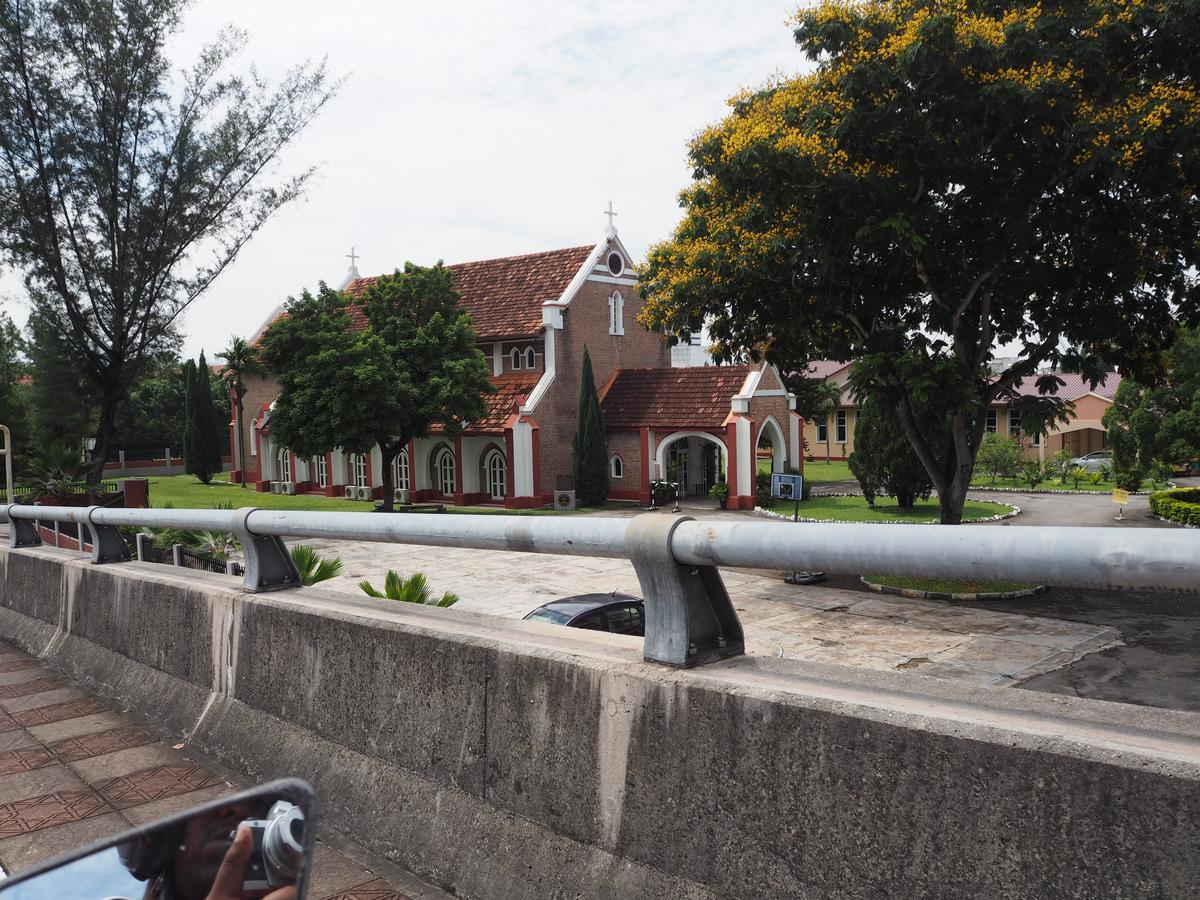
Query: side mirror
254, 844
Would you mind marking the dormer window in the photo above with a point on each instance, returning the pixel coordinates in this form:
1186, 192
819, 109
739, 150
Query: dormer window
616, 313
530, 358
616, 264
514, 359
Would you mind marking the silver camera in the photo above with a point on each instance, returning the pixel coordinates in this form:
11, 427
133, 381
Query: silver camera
278, 849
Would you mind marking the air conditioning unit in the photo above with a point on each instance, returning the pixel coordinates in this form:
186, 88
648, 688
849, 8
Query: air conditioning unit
351, 492
364, 493
275, 487
287, 487
564, 500
401, 495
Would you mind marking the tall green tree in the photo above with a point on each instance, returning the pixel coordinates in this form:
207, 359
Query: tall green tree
152, 418
14, 394
205, 435
124, 190
883, 460
589, 451
241, 362
948, 178
1159, 423
412, 367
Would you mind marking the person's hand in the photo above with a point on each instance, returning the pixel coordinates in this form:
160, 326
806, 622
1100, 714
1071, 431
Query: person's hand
228, 883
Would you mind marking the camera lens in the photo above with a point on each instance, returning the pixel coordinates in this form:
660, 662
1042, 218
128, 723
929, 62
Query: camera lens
283, 843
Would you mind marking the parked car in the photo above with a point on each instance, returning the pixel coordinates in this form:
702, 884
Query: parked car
614, 613
1094, 462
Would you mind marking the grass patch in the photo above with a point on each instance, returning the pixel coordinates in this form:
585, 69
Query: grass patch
186, 492
817, 472
855, 509
948, 585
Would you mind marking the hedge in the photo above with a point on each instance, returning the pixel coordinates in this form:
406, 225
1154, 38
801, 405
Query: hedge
1180, 505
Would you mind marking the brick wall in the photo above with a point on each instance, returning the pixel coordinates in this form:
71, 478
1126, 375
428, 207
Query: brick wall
258, 392
585, 322
628, 446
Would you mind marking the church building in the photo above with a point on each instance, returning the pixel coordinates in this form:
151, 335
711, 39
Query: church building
533, 316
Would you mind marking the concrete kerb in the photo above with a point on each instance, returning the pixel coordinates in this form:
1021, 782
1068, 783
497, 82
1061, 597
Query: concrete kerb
513, 759
946, 595
1013, 512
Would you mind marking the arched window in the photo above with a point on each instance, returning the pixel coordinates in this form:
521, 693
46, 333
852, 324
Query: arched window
530, 358
254, 437
616, 468
400, 471
514, 358
323, 471
360, 469
443, 471
285, 466
496, 469
616, 313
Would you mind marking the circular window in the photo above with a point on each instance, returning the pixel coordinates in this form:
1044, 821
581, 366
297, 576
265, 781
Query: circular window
616, 264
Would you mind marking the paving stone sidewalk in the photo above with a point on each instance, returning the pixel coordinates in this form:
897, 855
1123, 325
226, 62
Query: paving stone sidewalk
73, 772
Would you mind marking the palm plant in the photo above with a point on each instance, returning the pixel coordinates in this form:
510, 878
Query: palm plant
414, 589
57, 468
241, 362
312, 566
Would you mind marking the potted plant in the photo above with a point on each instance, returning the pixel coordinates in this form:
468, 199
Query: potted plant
720, 493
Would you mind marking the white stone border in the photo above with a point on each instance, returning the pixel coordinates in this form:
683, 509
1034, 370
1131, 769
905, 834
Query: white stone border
1013, 512
1013, 490
913, 594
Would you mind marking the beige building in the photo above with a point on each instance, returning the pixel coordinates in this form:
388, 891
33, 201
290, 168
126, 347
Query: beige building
1083, 433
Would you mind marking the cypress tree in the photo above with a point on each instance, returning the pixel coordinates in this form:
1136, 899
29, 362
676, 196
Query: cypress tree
202, 439
589, 448
189, 377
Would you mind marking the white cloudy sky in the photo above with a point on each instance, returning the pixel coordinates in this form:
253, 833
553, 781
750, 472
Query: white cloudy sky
471, 129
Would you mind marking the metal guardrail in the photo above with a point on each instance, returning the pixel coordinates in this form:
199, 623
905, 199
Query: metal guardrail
689, 616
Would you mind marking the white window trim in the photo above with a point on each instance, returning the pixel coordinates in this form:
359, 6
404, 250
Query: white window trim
841, 433
515, 359
322, 471
616, 467
400, 470
489, 461
823, 432
254, 437
359, 461
616, 313
530, 358
285, 466
445, 453
991, 422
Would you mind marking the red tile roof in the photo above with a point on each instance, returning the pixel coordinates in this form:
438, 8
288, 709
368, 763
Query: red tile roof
823, 368
695, 397
510, 388
504, 296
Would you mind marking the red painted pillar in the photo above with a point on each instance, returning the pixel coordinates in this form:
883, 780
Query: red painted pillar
731, 478
510, 489
647, 451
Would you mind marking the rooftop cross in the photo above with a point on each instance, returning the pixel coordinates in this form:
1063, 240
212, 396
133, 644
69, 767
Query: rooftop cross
609, 212
353, 257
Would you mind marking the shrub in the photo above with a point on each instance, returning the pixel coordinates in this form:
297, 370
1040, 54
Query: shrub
1060, 465
1130, 480
1078, 474
414, 589
312, 566
719, 492
1106, 472
661, 491
1180, 505
1033, 472
1160, 472
1095, 477
762, 491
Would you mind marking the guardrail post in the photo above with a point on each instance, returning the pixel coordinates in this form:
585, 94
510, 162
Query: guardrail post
107, 543
269, 566
21, 532
141, 540
690, 619
177, 555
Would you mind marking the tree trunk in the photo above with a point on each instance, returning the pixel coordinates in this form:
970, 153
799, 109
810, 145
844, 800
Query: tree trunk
241, 450
104, 436
388, 454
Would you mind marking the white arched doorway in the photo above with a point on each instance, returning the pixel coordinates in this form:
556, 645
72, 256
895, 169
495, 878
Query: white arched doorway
443, 471
698, 459
770, 434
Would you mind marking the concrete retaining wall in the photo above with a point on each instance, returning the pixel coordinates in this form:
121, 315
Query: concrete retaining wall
506, 759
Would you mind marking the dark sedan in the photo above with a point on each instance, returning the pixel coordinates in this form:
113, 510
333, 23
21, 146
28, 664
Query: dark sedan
614, 613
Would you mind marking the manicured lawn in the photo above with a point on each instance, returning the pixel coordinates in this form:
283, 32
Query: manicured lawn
947, 585
185, 492
855, 509
1104, 487
818, 471
834, 470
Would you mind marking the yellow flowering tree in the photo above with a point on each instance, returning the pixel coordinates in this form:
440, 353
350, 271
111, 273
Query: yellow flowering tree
950, 177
